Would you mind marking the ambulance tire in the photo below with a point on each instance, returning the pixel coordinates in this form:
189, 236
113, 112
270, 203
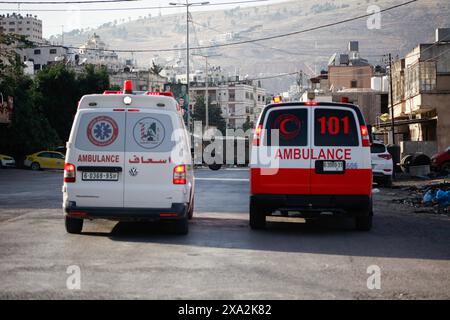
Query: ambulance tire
191, 209
364, 222
257, 217
73, 225
181, 227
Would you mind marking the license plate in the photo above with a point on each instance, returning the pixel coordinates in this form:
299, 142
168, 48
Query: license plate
333, 166
100, 176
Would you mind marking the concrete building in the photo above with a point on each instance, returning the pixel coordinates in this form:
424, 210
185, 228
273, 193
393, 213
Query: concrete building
143, 80
94, 51
39, 57
237, 100
349, 70
27, 25
372, 103
421, 94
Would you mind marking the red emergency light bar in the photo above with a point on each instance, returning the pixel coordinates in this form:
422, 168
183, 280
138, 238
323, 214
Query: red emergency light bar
157, 93
128, 86
112, 92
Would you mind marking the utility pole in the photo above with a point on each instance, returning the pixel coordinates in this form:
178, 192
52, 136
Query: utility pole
206, 86
187, 4
392, 99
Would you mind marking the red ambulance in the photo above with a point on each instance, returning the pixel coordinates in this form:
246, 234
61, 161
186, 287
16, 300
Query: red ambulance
309, 160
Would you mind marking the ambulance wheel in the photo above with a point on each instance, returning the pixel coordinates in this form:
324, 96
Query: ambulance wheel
363, 223
73, 225
35, 166
257, 216
182, 226
191, 209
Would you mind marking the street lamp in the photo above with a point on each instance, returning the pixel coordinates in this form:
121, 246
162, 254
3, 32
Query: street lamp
206, 86
188, 4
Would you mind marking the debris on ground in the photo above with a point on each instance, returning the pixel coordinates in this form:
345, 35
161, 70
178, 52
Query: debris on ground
431, 198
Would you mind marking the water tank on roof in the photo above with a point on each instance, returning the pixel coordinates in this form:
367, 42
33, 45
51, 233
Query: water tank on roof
344, 59
443, 35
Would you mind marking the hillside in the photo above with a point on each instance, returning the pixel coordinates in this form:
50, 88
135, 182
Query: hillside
401, 30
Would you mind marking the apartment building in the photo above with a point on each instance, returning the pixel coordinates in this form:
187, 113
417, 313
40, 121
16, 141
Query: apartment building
421, 95
27, 25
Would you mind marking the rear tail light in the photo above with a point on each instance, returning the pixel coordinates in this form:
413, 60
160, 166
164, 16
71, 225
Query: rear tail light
386, 156
179, 174
311, 103
257, 135
69, 172
365, 136
77, 213
168, 214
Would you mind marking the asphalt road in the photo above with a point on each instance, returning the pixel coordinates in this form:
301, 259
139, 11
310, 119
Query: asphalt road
221, 257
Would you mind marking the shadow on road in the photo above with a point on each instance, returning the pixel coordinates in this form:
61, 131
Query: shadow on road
386, 239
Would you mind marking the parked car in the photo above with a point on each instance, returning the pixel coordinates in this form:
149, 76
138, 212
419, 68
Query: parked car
382, 164
319, 165
128, 158
6, 161
45, 160
441, 161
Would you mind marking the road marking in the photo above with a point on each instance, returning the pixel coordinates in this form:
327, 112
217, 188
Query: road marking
221, 179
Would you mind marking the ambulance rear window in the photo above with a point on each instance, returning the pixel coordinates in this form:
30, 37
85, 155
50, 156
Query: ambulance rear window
291, 127
335, 127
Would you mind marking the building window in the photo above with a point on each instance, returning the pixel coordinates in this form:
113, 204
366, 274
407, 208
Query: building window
52, 51
354, 84
427, 76
37, 51
12, 23
37, 67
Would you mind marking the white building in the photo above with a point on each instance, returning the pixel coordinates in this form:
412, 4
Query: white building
94, 51
237, 100
37, 58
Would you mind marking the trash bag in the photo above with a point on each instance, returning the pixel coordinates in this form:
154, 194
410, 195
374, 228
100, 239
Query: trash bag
428, 197
443, 198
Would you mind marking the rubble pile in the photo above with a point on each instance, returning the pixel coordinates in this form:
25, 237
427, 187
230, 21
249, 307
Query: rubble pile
433, 198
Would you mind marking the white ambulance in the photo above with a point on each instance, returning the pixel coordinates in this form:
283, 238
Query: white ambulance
310, 160
128, 158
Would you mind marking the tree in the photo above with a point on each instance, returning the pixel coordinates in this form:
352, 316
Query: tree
56, 92
247, 124
156, 68
29, 130
8, 54
214, 112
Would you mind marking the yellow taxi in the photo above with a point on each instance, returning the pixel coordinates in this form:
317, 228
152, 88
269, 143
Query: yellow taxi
45, 160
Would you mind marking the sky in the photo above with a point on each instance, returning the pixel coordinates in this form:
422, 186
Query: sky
70, 17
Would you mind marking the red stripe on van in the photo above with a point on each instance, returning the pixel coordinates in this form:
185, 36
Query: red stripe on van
280, 181
306, 181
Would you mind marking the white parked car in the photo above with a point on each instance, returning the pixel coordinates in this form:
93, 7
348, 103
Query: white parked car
128, 158
382, 164
7, 161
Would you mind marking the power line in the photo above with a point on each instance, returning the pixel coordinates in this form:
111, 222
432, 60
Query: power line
257, 39
65, 2
127, 8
